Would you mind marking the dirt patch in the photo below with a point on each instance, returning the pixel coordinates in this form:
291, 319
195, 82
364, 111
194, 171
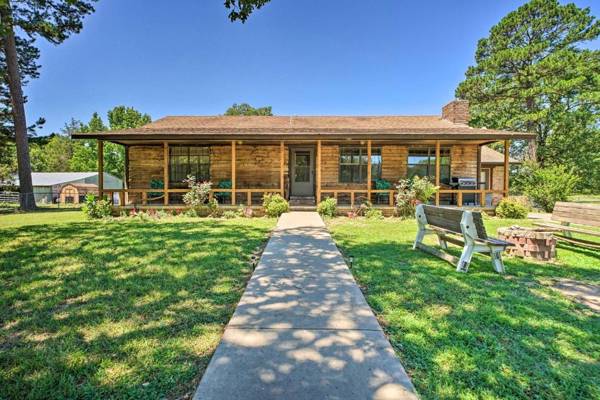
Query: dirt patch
580, 292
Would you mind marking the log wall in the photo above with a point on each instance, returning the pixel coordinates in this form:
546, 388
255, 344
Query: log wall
463, 161
258, 165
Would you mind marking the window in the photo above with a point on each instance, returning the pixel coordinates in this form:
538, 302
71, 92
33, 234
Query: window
188, 160
421, 162
354, 162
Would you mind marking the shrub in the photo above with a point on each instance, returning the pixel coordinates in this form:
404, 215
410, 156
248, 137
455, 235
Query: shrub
162, 214
374, 213
545, 186
198, 194
328, 207
230, 214
511, 208
213, 208
424, 189
95, 208
274, 204
191, 213
412, 192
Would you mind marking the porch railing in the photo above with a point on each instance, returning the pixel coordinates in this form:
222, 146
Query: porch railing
356, 195
125, 195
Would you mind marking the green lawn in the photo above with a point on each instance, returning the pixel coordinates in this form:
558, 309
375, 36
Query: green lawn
118, 309
478, 335
53, 216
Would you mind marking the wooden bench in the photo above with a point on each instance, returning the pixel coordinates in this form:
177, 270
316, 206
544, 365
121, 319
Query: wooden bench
460, 227
586, 215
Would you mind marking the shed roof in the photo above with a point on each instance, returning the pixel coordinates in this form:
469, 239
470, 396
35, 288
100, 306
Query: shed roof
491, 156
59, 178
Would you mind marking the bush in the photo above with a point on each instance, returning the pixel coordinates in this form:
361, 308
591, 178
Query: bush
230, 214
213, 208
95, 208
545, 186
328, 207
511, 208
162, 214
198, 194
274, 204
374, 213
412, 192
424, 189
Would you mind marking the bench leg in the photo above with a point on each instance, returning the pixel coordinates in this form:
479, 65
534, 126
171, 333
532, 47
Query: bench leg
465, 258
497, 263
420, 235
442, 242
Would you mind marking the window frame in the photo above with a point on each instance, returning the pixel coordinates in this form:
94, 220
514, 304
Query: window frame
194, 155
357, 167
445, 166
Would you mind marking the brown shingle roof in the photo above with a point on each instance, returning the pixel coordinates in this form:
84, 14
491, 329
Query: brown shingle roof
218, 126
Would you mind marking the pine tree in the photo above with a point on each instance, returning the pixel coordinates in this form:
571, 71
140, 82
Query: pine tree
53, 20
533, 74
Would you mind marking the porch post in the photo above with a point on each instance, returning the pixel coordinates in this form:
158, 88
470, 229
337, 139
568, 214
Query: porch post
100, 169
166, 172
233, 156
281, 165
126, 194
437, 171
369, 170
318, 171
506, 165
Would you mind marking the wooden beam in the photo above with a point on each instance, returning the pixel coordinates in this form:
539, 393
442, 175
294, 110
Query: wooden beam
369, 170
166, 172
126, 194
318, 171
233, 160
506, 166
281, 166
437, 170
100, 169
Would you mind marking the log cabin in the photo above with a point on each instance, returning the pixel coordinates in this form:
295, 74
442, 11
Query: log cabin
308, 158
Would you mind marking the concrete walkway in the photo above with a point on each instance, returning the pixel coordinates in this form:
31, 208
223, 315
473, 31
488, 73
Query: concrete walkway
303, 329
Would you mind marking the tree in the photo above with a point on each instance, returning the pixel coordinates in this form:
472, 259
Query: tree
531, 74
28, 67
121, 117
57, 153
247, 109
53, 20
241, 9
85, 152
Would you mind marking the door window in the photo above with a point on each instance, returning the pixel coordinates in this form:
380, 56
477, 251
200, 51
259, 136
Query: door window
302, 166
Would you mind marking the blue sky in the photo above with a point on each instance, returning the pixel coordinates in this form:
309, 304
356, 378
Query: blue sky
309, 57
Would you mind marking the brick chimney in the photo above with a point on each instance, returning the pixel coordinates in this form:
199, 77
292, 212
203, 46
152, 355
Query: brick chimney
456, 111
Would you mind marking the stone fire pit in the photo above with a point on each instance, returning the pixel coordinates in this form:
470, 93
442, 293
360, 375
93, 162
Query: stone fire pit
537, 243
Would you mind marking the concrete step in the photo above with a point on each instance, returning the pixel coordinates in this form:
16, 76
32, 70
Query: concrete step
302, 201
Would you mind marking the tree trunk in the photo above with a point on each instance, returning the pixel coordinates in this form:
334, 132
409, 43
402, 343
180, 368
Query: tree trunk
27, 200
532, 145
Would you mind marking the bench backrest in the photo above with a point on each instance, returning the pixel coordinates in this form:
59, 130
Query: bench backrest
577, 213
450, 219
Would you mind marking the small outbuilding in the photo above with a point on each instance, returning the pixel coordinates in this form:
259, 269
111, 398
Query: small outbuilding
68, 187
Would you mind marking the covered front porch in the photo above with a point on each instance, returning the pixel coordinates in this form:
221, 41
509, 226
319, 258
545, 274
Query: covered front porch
353, 171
